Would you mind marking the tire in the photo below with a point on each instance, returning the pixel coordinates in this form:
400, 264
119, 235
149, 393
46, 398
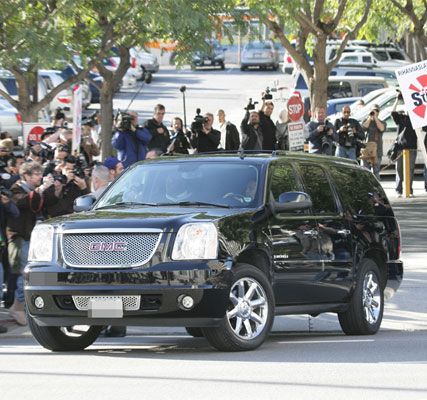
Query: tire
245, 325
365, 311
57, 338
222, 66
242, 68
195, 332
275, 67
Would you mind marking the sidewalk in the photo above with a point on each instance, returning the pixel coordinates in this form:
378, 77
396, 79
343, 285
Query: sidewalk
403, 312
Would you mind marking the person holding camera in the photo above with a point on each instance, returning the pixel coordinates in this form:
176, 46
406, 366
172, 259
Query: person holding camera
88, 147
406, 139
159, 133
252, 135
230, 138
320, 133
179, 141
130, 140
374, 129
203, 137
28, 195
348, 133
69, 184
268, 127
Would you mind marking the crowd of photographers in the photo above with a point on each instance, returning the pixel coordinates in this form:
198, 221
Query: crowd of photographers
44, 180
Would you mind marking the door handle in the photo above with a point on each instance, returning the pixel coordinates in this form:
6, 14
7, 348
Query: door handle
344, 232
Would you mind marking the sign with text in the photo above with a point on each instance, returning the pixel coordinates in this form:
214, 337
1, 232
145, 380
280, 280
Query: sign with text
34, 131
295, 108
413, 83
296, 136
77, 118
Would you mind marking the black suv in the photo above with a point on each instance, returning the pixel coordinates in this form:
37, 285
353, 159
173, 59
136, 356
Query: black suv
218, 244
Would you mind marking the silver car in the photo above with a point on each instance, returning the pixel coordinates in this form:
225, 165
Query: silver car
259, 54
10, 119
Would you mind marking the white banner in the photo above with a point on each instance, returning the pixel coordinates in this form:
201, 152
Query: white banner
413, 83
296, 136
77, 118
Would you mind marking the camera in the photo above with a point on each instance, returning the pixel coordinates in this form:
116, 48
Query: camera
251, 105
183, 88
372, 113
267, 95
60, 178
199, 120
124, 121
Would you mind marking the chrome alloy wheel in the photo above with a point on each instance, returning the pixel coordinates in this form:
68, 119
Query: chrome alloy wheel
371, 298
248, 311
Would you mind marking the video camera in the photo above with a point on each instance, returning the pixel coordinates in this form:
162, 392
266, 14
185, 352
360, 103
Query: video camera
124, 121
267, 95
251, 105
325, 139
199, 120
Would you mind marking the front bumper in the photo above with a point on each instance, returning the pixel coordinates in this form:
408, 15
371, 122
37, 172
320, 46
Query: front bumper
159, 288
394, 278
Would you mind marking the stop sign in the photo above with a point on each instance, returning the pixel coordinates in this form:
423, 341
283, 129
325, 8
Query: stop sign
295, 108
35, 134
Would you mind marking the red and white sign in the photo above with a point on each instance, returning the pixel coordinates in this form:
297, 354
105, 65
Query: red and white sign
413, 83
34, 131
77, 118
295, 108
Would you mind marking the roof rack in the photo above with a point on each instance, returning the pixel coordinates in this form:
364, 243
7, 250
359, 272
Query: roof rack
242, 152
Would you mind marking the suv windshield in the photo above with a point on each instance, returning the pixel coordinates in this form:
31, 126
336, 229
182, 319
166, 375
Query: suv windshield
198, 183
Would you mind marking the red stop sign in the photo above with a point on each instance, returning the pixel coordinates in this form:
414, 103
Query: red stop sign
35, 134
295, 108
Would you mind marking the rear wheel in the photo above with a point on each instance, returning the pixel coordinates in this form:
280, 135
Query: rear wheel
365, 311
222, 66
242, 68
71, 338
195, 332
249, 315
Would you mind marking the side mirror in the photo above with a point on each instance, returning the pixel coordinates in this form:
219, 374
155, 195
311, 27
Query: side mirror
83, 203
292, 201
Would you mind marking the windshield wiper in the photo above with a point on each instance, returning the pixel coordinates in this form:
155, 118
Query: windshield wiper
193, 203
126, 204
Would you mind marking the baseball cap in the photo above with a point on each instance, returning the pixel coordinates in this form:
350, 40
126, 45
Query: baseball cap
111, 162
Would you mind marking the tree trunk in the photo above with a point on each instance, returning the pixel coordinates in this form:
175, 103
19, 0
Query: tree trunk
319, 83
421, 43
106, 103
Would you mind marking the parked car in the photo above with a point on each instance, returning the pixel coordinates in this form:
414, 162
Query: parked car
259, 54
213, 56
389, 56
335, 106
147, 61
357, 57
173, 243
10, 119
359, 70
133, 74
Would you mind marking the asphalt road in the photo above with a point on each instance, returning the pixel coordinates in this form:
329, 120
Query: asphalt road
304, 357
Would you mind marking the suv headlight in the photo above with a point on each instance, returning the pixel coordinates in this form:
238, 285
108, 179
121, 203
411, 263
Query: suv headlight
41, 243
198, 241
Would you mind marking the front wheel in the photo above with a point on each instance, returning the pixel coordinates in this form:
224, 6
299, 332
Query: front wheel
249, 315
366, 308
57, 338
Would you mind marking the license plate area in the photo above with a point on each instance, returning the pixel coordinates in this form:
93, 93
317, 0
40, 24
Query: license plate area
105, 307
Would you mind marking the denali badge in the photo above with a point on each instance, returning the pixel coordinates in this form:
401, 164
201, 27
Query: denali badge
108, 246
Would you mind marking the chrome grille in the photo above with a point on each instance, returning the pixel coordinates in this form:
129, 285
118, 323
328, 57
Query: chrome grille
130, 303
88, 249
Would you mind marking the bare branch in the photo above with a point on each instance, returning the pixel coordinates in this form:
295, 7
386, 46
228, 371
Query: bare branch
318, 8
9, 98
305, 22
340, 12
307, 8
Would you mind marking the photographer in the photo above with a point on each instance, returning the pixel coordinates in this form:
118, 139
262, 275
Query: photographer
130, 140
203, 137
374, 129
159, 132
230, 139
252, 135
179, 142
347, 134
267, 125
88, 147
406, 139
320, 133
67, 185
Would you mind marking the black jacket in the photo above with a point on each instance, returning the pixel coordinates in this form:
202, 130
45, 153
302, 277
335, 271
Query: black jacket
343, 139
159, 140
407, 140
232, 137
252, 138
179, 143
268, 132
206, 142
63, 205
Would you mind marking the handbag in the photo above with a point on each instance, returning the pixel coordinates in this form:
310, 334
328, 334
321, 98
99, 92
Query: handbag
369, 152
396, 148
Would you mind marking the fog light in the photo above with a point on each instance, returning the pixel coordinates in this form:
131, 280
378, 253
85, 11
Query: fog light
186, 302
39, 302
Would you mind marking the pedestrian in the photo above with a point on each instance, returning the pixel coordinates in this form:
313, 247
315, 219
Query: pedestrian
115, 167
252, 135
282, 132
230, 138
348, 133
206, 139
159, 133
179, 143
100, 180
320, 133
267, 125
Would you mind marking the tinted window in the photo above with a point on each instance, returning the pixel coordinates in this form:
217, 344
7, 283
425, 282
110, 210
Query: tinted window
396, 55
317, 186
367, 59
365, 88
283, 179
360, 192
336, 90
349, 59
380, 55
258, 46
360, 73
10, 85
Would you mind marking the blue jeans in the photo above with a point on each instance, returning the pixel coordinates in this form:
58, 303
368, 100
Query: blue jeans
19, 292
346, 152
376, 168
1, 280
399, 170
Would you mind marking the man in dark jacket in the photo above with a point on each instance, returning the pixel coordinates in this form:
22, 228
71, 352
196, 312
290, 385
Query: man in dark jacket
320, 133
131, 144
207, 139
159, 133
230, 138
252, 135
268, 127
407, 139
28, 195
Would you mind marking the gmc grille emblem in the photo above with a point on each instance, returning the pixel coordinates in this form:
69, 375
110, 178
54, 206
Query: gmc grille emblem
108, 246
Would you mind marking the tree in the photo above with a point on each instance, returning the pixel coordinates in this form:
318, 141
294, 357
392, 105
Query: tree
314, 22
